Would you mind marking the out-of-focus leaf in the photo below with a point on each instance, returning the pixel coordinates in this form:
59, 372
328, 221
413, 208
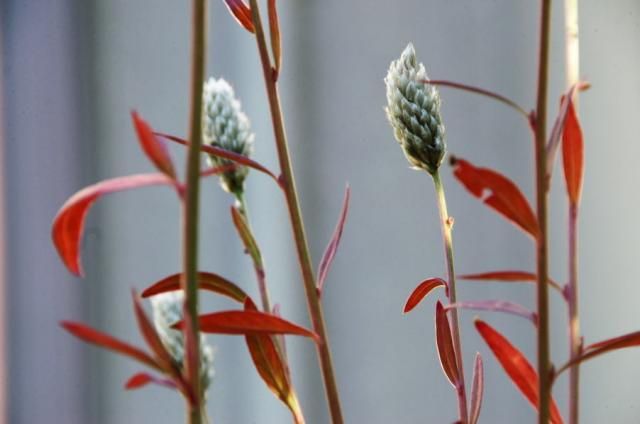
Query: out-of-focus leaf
508, 277
153, 147
517, 367
68, 223
141, 379
498, 192
573, 154
446, 351
227, 154
206, 281
332, 247
241, 11
421, 291
152, 338
274, 33
249, 242
497, 306
106, 341
477, 388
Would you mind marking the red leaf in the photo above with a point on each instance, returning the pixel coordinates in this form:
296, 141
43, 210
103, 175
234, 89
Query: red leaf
497, 306
235, 157
421, 291
153, 147
242, 13
503, 195
274, 32
509, 276
446, 351
573, 154
68, 224
206, 281
249, 322
271, 367
516, 366
332, 247
141, 379
477, 389
106, 341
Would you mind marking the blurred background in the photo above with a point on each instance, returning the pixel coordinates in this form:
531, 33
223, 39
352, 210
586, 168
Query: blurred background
70, 73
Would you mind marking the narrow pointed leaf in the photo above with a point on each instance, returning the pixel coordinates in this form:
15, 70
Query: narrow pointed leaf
497, 306
249, 242
249, 322
332, 247
597, 349
153, 146
509, 277
68, 224
497, 192
421, 291
444, 342
477, 389
235, 157
141, 379
242, 13
517, 367
274, 32
206, 281
109, 342
573, 154
152, 338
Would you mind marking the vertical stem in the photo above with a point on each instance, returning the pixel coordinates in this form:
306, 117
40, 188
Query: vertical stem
445, 225
544, 386
575, 339
297, 225
191, 210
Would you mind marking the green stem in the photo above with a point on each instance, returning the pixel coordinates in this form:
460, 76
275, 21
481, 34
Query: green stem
297, 225
446, 224
191, 208
575, 339
544, 377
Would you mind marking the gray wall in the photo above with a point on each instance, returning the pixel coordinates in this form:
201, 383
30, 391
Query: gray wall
72, 71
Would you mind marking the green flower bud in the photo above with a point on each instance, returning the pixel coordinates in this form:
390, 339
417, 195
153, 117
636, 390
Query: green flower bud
167, 310
413, 109
224, 125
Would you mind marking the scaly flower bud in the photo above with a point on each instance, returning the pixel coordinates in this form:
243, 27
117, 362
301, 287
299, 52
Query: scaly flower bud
167, 310
224, 125
413, 109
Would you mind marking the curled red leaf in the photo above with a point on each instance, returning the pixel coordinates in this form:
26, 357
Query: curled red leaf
241, 11
444, 342
153, 146
477, 389
141, 379
68, 223
573, 154
206, 281
330, 252
421, 291
497, 192
517, 367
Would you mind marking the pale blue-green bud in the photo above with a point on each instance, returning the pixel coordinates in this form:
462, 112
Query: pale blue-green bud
413, 109
224, 125
167, 310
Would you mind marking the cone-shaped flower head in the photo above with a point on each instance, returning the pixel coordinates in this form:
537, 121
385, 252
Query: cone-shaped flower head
224, 125
167, 310
413, 109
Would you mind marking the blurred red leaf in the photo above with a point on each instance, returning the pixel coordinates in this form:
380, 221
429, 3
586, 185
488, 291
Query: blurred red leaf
497, 306
141, 379
206, 281
106, 341
249, 322
477, 389
508, 276
153, 147
503, 195
242, 13
330, 252
269, 363
573, 154
446, 351
274, 32
421, 291
516, 366
68, 224
235, 157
